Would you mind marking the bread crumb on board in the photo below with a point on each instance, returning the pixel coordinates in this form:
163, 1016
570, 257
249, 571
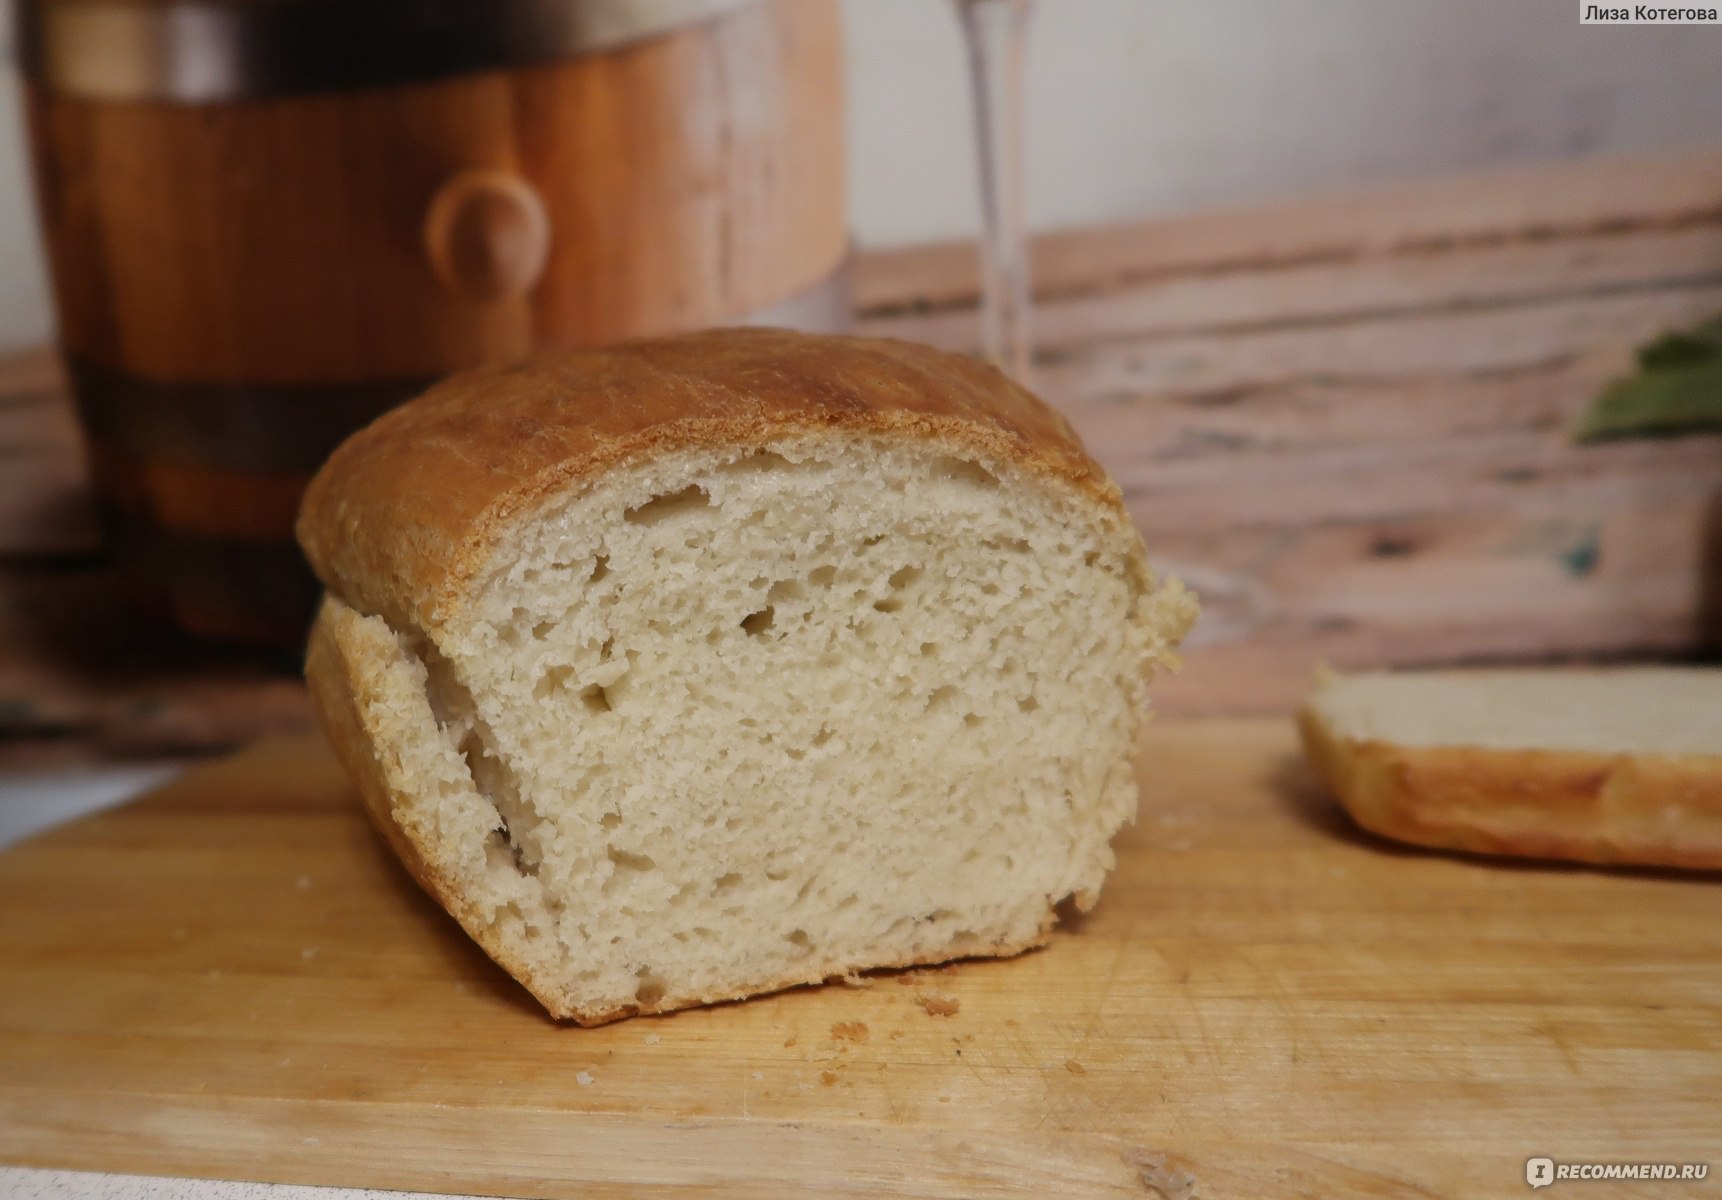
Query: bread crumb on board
1164, 1178
940, 1006
828, 1078
850, 1031
585, 1079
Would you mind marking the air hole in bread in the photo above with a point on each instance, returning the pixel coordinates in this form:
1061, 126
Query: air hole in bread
663, 508
759, 460
552, 681
899, 580
963, 470
628, 861
596, 699
757, 623
650, 991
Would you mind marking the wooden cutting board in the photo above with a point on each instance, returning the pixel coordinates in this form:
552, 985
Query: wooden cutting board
230, 978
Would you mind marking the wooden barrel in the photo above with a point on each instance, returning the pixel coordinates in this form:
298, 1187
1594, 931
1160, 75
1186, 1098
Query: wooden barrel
264, 236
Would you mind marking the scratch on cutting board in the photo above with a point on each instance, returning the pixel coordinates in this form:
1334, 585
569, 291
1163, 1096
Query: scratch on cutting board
1161, 1175
1548, 1030
1395, 1186
1054, 1095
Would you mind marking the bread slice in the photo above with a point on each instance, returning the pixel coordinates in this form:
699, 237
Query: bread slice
687, 670
1601, 766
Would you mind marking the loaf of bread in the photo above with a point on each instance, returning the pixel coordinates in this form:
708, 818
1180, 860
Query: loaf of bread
1602, 766
687, 670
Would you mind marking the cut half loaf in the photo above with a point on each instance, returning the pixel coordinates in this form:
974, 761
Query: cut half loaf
1603, 766
693, 669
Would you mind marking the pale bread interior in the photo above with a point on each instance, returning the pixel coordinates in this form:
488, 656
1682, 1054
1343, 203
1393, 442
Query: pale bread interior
1648, 710
737, 719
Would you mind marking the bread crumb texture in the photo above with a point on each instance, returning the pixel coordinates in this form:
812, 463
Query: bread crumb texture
742, 717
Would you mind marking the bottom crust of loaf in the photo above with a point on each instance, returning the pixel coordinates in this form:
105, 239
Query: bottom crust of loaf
1612, 809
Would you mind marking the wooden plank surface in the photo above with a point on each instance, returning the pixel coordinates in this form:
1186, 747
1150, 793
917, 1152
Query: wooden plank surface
231, 978
1346, 420
1576, 198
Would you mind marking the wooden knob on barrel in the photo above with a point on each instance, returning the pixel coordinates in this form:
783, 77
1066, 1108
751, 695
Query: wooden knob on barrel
488, 235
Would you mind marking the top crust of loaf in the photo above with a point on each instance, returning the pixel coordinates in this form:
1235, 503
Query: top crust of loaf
406, 512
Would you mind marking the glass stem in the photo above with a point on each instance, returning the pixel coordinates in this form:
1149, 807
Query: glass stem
996, 31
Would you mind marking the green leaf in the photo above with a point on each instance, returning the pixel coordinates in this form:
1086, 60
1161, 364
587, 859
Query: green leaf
1659, 403
1677, 390
1676, 350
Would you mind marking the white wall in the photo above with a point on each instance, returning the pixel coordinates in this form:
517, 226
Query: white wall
1142, 106
1148, 106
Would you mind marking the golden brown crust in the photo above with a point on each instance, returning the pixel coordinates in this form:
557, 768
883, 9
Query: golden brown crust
404, 514
1654, 810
